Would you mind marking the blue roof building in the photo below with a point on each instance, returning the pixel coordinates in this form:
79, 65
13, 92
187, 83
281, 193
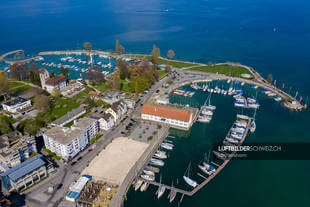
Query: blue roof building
24, 174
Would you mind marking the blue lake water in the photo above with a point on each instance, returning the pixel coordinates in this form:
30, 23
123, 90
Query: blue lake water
271, 36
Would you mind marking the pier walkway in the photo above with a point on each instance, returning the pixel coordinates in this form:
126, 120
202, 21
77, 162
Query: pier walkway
207, 179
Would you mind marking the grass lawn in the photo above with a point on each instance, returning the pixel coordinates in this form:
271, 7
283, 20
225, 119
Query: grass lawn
126, 87
94, 139
57, 157
101, 86
82, 95
161, 73
62, 106
19, 90
13, 84
223, 69
175, 64
136, 56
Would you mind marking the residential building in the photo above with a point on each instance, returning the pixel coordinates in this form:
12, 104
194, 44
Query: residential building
174, 117
106, 122
130, 103
117, 109
68, 142
24, 174
68, 117
49, 84
95, 95
16, 148
17, 106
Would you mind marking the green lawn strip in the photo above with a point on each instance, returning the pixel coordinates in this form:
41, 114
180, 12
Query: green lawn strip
228, 70
161, 73
126, 87
13, 84
173, 63
101, 86
176, 64
62, 106
94, 139
82, 95
20, 89
57, 157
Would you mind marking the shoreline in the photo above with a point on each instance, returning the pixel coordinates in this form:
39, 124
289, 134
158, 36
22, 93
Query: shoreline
289, 101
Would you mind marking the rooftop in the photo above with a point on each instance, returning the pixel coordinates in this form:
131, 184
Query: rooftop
16, 101
63, 135
24, 168
84, 122
166, 112
56, 80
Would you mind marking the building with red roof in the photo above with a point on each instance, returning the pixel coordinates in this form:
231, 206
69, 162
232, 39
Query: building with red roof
174, 117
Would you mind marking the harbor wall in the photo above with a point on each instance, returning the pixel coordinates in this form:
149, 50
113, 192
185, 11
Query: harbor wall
120, 196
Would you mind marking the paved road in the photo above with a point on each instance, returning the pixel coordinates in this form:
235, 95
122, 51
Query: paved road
37, 196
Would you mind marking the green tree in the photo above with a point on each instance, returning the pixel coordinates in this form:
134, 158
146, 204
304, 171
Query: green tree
16, 72
117, 46
65, 72
56, 93
269, 78
116, 80
123, 68
87, 46
121, 49
170, 54
4, 85
52, 74
155, 54
42, 103
3, 74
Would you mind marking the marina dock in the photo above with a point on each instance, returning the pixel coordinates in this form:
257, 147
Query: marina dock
209, 178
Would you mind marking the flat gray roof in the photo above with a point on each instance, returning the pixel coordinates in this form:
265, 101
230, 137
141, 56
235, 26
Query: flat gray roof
63, 135
84, 122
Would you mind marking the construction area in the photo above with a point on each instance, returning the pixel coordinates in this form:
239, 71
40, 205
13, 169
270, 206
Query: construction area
96, 194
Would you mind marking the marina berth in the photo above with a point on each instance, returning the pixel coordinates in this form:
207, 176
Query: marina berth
144, 186
157, 162
166, 146
148, 177
138, 184
160, 191
188, 180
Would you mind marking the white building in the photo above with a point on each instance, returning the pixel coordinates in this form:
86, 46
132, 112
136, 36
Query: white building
49, 84
117, 109
106, 122
18, 106
174, 117
68, 142
77, 187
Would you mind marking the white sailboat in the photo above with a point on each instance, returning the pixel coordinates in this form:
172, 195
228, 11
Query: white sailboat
172, 193
188, 180
253, 124
161, 190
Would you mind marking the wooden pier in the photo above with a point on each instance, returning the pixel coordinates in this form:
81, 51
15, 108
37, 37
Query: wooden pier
209, 178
